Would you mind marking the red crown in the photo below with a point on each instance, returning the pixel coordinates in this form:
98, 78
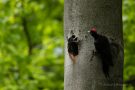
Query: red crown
93, 29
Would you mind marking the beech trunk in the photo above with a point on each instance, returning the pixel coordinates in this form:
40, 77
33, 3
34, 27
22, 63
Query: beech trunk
79, 17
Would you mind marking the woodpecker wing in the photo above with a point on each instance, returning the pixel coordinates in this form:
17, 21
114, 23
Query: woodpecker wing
102, 46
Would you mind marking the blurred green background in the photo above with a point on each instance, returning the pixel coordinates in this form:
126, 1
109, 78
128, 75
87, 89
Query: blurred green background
32, 42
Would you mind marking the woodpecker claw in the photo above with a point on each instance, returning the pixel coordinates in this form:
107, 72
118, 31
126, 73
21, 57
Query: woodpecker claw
93, 54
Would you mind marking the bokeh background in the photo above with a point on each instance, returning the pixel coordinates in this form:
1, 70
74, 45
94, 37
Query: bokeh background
32, 43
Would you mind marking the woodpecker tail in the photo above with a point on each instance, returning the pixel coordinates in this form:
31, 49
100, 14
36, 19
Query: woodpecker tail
106, 69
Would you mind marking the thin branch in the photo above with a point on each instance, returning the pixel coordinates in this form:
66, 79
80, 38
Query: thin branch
130, 82
25, 29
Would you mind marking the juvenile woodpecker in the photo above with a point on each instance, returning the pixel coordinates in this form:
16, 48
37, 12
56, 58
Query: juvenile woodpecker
103, 49
73, 47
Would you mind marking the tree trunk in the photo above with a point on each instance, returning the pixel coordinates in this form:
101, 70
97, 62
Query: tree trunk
79, 17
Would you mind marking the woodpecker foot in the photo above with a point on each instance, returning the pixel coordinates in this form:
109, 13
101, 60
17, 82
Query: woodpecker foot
93, 54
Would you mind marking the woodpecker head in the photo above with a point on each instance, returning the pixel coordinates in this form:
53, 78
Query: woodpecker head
93, 32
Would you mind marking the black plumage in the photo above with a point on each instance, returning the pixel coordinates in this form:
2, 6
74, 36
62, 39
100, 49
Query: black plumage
103, 49
73, 45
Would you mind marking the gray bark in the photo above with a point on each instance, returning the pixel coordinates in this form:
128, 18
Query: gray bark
79, 17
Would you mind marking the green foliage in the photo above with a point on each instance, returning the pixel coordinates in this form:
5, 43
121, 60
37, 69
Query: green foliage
37, 63
42, 69
129, 41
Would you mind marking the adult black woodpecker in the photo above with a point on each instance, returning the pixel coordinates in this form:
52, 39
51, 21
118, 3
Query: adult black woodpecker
103, 49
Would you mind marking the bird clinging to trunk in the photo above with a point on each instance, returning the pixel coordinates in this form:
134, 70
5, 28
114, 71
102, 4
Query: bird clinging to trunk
103, 49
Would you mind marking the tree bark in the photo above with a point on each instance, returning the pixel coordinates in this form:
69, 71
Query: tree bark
79, 17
